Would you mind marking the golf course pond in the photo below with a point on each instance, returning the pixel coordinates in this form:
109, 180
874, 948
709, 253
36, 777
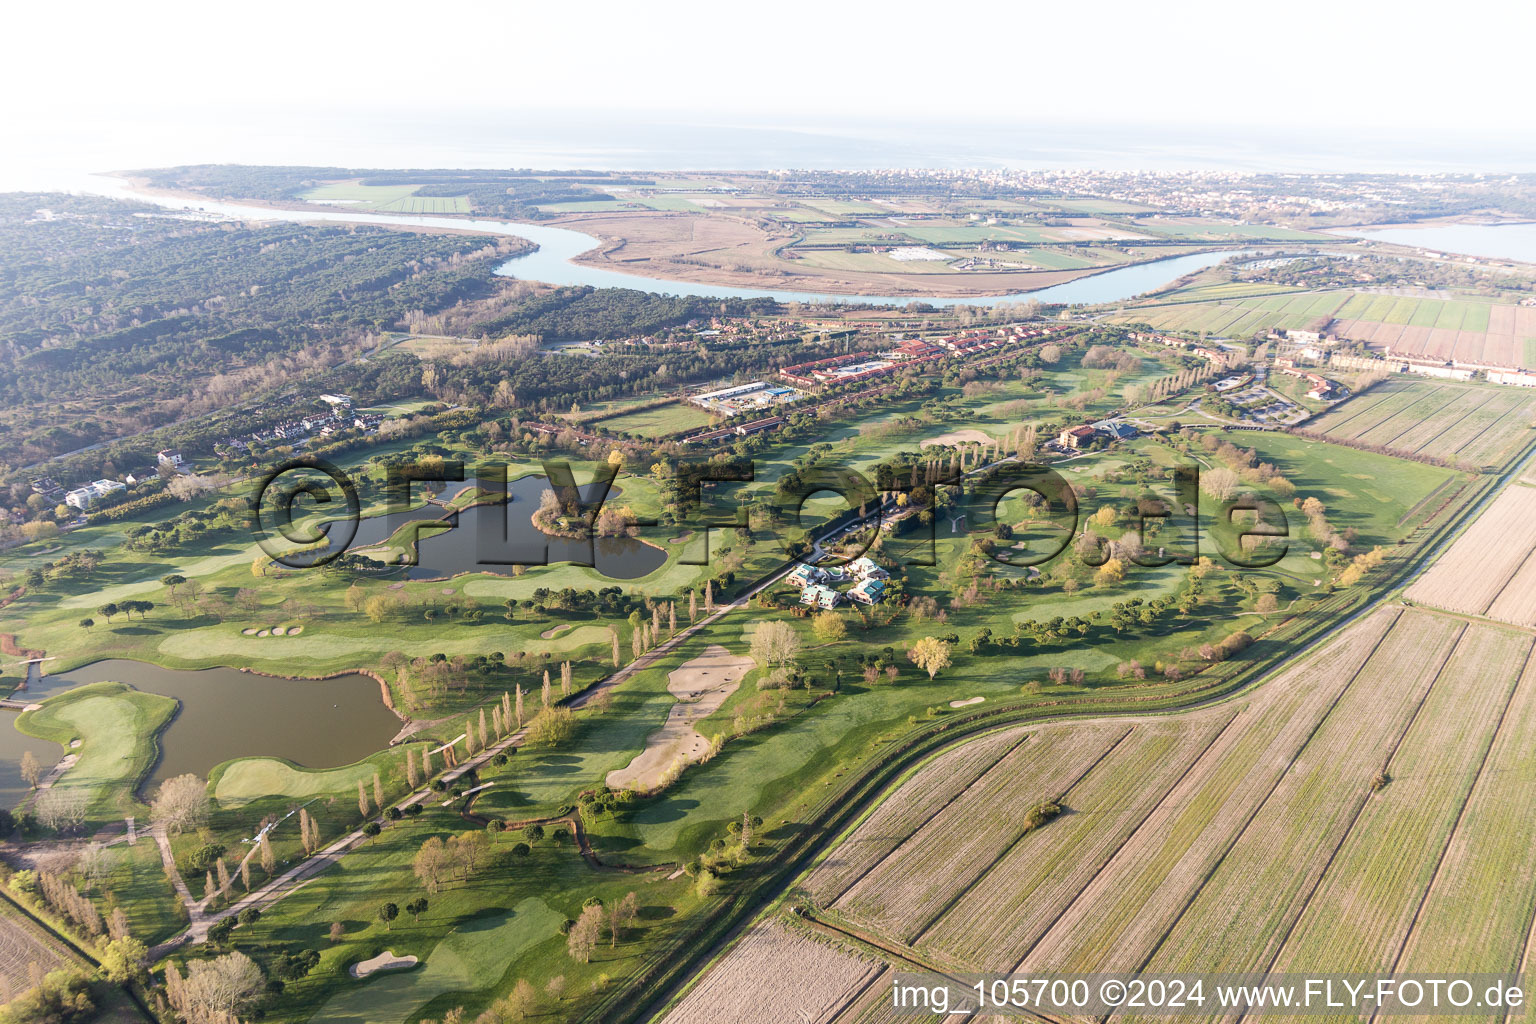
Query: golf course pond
494, 537
226, 713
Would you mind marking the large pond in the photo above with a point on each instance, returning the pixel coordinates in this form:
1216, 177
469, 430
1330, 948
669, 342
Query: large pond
553, 263
225, 713
1490, 241
493, 538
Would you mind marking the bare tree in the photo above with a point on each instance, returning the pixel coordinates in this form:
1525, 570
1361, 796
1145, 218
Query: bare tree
181, 804
216, 991
31, 770
586, 933
775, 643
62, 808
95, 864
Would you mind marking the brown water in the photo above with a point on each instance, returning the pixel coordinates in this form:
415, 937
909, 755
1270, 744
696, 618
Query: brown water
225, 713
493, 538
13, 743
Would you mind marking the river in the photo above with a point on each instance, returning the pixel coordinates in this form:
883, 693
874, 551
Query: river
553, 261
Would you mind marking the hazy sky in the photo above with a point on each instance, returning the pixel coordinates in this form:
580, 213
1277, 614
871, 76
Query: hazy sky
1334, 69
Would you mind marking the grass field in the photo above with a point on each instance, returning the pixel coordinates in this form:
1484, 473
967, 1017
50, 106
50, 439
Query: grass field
473, 956
385, 199
252, 778
661, 421
1484, 426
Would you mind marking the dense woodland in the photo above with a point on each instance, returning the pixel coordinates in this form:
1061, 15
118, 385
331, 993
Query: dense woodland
115, 317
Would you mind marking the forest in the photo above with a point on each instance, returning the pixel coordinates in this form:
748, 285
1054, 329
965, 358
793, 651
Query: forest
110, 312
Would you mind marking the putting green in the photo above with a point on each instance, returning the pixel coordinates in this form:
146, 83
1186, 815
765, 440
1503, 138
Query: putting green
474, 955
252, 778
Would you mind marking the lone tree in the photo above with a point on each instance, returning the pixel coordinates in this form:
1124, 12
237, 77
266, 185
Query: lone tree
387, 913
31, 770
86, 624
930, 654
829, 627
775, 643
416, 908
181, 804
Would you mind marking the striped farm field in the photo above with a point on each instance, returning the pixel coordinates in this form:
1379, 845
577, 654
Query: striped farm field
1364, 810
749, 984
1468, 330
1481, 425
878, 1006
911, 807
996, 918
1489, 570
23, 943
909, 888
1240, 317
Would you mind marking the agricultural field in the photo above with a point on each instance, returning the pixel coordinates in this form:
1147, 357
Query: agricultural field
1488, 570
1309, 825
749, 984
1480, 425
1465, 329
1209, 230
23, 943
907, 889
384, 199
1239, 317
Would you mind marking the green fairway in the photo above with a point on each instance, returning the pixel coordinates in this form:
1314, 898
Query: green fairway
252, 778
117, 728
472, 956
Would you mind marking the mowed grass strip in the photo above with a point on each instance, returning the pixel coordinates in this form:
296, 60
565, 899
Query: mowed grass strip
903, 893
1359, 917
252, 778
996, 921
1120, 915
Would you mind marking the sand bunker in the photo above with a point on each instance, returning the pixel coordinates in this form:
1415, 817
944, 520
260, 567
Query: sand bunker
249, 631
279, 630
554, 631
295, 630
264, 632
700, 685
385, 961
960, 437
966, 703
